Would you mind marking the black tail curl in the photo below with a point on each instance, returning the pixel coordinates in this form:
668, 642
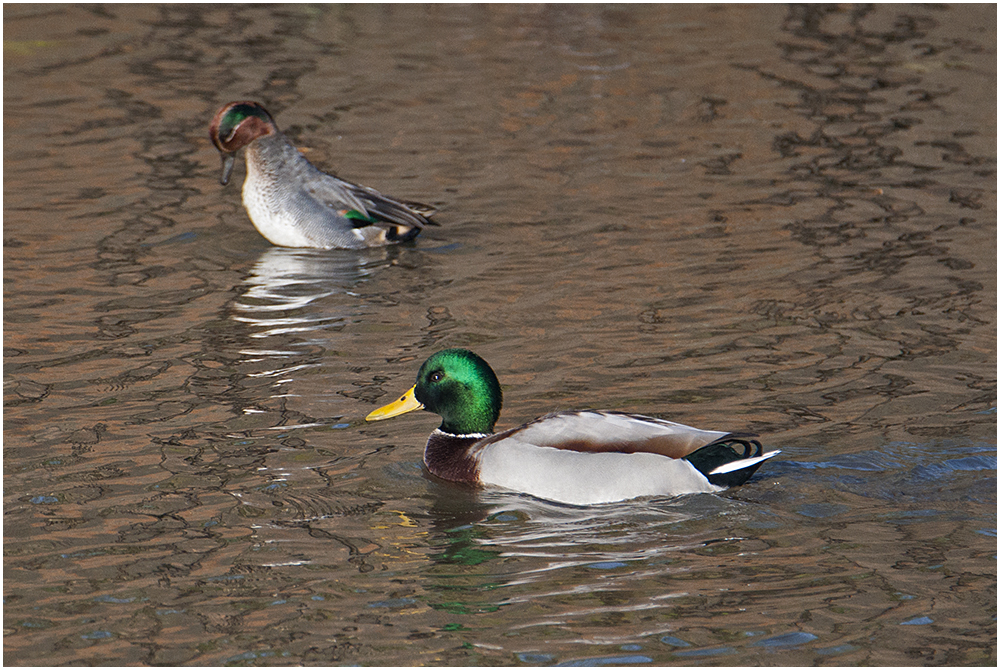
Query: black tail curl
732, 447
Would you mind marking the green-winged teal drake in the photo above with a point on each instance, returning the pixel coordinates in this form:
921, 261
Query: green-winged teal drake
292, 203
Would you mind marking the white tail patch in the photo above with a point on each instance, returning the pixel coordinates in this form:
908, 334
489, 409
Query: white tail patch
743, 463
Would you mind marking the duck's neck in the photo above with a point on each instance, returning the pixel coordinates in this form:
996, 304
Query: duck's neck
448, 456
271, 151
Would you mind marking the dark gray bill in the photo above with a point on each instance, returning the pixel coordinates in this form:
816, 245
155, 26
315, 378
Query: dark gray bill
228, 162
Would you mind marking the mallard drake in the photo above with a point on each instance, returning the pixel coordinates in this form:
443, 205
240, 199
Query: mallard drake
292, 203
579, 458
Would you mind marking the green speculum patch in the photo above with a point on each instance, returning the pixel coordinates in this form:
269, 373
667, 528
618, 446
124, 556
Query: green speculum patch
355, 215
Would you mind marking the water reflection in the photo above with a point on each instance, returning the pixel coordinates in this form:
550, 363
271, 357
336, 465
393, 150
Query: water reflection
291, 307
607, 576
521, 525
284, 284
547, 551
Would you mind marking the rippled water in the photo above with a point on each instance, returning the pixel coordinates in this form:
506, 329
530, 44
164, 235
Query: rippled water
768, 218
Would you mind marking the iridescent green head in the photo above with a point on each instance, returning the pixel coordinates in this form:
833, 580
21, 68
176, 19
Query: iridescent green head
457, 385
236, 125
462, 388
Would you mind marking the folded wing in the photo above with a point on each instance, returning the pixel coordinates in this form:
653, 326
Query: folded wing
604, 431
376, 208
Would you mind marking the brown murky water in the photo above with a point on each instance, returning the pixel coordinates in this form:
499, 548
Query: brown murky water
768, 218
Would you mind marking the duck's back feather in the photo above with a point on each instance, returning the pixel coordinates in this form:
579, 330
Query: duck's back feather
599, 431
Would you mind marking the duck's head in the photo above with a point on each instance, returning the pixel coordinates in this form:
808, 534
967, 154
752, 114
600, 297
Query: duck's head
236, 125
457, 385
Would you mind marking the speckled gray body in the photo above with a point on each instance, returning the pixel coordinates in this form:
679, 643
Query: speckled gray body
293, 204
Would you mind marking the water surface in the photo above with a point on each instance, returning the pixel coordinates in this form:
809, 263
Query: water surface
766, 218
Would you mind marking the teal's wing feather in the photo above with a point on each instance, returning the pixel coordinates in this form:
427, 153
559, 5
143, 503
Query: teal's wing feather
363, 205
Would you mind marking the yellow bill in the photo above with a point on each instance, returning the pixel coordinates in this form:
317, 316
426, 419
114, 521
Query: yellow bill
407, 403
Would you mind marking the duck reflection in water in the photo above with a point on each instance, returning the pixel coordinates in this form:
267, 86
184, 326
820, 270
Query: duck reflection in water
284, 283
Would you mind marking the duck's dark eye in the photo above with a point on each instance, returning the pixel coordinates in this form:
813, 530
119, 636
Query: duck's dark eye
437, 376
